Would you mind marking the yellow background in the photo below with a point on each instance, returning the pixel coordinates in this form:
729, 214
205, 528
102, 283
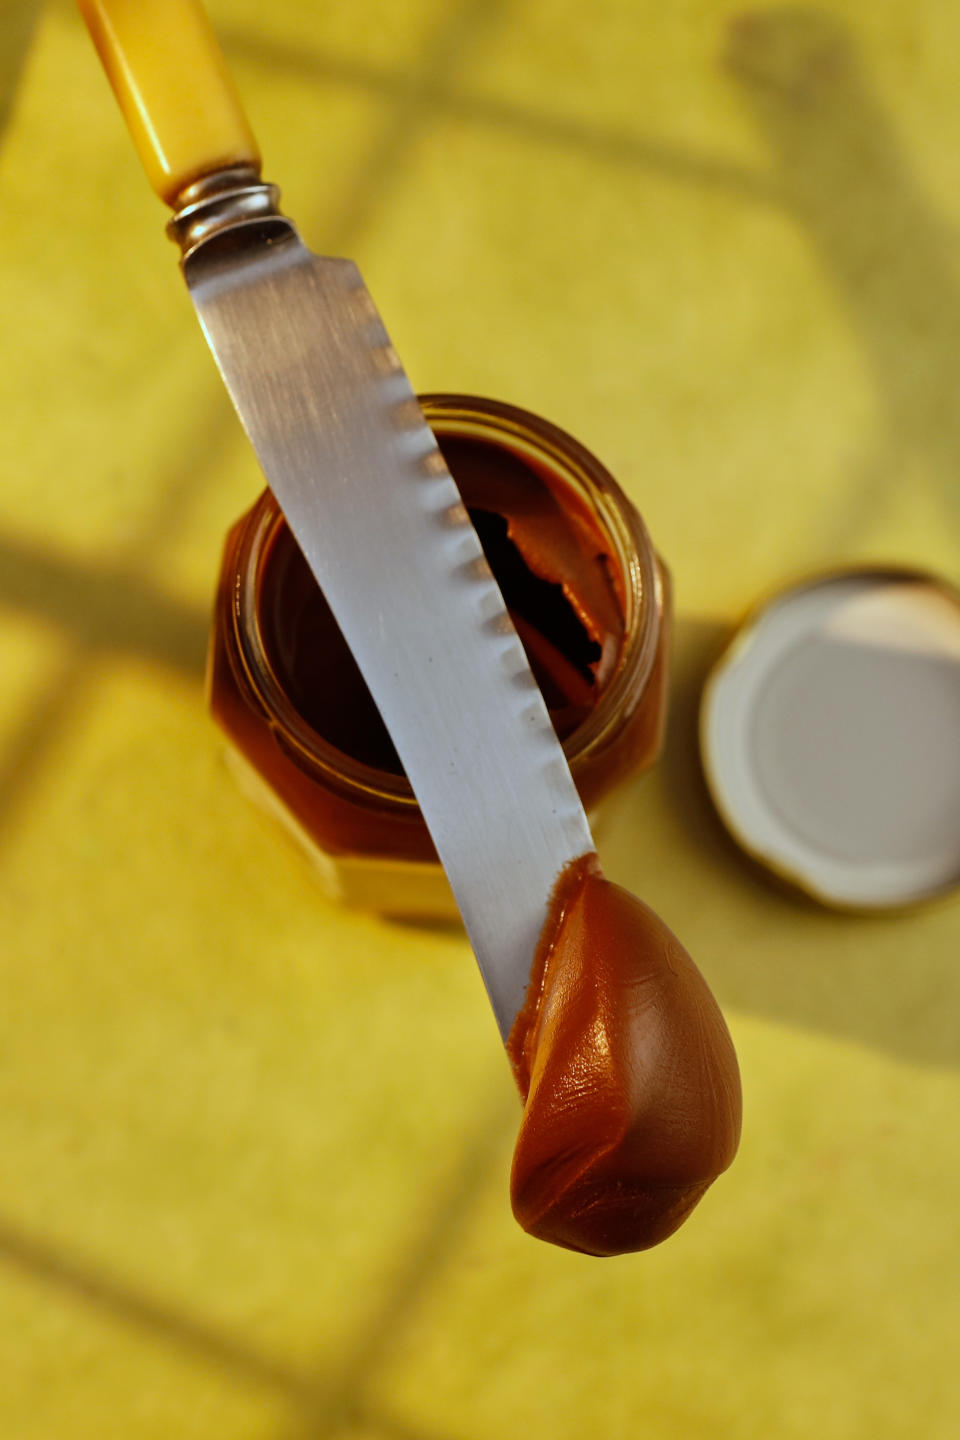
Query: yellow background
255, 1149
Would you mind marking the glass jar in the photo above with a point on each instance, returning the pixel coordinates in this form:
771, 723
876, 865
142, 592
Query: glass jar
587, 592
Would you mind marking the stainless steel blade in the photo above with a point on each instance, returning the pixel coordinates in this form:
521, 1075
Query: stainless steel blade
363, 486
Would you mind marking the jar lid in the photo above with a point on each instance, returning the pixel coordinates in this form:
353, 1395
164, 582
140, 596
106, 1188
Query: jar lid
830, 737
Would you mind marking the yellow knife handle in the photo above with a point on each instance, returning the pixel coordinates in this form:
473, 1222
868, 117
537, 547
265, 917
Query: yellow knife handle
171, 80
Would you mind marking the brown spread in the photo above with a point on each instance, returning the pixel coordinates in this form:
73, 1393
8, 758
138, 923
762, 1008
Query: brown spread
628, 1074
551, 564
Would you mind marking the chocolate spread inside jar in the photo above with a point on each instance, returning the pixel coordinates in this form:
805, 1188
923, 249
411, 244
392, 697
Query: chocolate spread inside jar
551, 561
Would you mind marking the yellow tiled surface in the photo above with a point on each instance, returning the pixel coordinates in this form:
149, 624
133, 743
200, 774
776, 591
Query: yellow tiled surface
255, 1149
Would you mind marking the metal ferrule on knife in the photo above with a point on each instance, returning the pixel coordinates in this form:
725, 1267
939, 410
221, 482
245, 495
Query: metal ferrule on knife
233, 201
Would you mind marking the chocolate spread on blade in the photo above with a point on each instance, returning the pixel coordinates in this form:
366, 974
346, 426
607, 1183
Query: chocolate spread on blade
628, 1074
551, 562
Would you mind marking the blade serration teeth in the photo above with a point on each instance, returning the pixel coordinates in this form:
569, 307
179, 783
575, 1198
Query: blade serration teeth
386, 359
492, 613
474, 566
434, 463
524, 679
413, 442
499, 623
407, 414
363, 303
516, 664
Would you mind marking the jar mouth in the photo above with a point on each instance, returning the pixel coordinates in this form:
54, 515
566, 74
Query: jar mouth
573, 468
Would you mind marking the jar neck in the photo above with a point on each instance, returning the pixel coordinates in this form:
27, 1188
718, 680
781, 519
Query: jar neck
567, 469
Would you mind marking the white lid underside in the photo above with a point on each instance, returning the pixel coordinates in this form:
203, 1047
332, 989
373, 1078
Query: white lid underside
831, 738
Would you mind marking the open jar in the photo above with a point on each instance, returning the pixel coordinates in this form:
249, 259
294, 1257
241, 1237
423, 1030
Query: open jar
586, 592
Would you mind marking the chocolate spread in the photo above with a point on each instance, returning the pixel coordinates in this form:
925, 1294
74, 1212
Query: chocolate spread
628, 1074
550, 561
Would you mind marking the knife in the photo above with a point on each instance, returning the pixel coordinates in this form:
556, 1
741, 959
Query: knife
357, 473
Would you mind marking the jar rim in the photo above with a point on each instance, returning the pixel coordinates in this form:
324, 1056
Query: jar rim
573, 465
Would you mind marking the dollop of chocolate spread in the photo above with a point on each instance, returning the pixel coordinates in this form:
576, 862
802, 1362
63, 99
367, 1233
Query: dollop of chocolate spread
631, 1088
